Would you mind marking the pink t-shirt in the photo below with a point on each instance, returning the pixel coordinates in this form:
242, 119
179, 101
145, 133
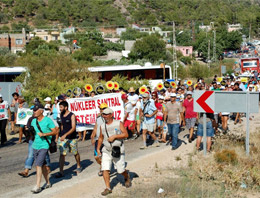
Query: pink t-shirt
189, 113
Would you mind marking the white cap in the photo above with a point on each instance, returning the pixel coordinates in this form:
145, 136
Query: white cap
189, 92
48, 99
232, 83
251, 86
145, 95
218, 83
173, 95
108, 111
161, 97
1, 96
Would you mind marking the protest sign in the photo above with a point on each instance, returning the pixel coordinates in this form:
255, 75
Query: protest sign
23, 114
86, 109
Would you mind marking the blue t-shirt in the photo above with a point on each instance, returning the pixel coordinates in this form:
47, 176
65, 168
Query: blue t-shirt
46, 125
149, 108
55, 112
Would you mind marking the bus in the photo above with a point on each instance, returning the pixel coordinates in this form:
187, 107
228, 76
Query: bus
249, 64
153, 73
8, 74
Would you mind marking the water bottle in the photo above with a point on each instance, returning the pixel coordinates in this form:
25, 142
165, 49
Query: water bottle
117, 132
165, 129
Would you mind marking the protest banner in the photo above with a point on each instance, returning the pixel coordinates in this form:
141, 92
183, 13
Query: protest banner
86, 109
23, 114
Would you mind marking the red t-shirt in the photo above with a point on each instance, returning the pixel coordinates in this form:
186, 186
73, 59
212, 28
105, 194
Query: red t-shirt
189, 113
159, 114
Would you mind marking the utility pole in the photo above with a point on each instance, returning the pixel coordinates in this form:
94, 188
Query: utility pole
208, 63
174, 54
214, 46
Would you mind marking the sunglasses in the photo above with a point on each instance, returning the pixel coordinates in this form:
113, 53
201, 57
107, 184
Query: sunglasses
153, 95
102, 108
106, 113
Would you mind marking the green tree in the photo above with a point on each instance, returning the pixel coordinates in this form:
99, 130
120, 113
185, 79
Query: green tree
132, 34
150, 47
52, 74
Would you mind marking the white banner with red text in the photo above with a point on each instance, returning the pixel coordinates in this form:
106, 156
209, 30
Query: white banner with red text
86, 109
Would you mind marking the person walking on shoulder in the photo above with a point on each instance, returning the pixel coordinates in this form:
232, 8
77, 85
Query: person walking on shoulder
112, 135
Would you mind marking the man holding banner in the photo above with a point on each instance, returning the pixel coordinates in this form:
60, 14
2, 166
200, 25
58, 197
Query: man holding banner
5, 114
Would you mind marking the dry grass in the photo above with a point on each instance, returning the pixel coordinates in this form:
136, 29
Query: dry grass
216, 175
230, 165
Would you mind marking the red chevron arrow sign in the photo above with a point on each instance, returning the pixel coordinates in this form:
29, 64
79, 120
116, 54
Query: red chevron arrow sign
204, 101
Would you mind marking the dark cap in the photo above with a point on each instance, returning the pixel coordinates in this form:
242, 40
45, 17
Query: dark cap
15, 93
38, 106
60, 97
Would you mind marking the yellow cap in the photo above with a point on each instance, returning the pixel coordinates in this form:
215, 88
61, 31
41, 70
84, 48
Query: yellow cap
103, 105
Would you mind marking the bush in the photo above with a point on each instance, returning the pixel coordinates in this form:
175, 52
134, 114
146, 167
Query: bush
198, 70
226, 156
186, 60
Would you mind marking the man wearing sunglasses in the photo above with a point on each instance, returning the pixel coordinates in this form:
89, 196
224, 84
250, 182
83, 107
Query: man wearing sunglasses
112, 134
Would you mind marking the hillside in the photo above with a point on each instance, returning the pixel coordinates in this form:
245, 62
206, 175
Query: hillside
88, 13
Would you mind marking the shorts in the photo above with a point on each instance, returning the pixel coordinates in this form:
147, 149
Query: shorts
40, 156
190, 122
68, 146
137, 117
148, 127
129, 124
12, 116
107, 160
95, 149
159, 123
209, 129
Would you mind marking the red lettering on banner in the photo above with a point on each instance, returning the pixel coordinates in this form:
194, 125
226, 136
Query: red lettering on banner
98, 102
86, 105
117, 115
117, 103
87, 119
93, 104
72, 107
112, 102
77, 117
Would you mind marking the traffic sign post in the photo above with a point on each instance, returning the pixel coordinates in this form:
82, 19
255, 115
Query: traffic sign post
226, 101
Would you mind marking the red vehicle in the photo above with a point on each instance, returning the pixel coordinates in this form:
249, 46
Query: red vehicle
249, 64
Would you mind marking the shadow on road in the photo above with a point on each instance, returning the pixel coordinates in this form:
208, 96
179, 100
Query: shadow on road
69, 173
120, 179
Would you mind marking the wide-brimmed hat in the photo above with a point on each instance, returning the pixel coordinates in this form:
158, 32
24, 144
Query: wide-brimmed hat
131, 89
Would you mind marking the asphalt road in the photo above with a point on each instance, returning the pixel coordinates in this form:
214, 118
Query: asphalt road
12, 158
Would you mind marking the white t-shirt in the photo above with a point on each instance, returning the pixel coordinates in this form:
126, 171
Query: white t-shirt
131, 112
3, 110
47, 112
138, 106
135, 97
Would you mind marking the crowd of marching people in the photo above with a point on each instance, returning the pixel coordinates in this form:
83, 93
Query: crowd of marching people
157, 116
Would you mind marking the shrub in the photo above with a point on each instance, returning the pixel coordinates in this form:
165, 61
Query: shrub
226, 156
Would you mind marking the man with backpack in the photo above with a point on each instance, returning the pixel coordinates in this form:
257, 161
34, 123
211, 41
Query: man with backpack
67, 141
